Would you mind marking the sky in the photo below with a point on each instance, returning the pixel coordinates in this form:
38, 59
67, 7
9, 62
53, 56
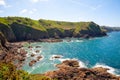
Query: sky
102, 12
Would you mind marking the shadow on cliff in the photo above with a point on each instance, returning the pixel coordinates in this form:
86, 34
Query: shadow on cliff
23, 32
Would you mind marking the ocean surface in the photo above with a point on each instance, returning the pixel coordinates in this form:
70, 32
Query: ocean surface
95, 52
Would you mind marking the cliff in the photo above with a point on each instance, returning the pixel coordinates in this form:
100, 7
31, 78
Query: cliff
2, 42
21, 29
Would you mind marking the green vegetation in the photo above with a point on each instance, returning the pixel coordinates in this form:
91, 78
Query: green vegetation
9, 72
19, 28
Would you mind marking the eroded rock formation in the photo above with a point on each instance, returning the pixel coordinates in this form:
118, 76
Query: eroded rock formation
69, 70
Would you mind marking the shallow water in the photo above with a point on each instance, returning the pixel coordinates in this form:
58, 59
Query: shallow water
102, 51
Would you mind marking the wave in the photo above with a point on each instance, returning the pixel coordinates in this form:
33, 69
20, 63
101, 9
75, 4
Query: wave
70, 40
111, 69
78, 40
83, 65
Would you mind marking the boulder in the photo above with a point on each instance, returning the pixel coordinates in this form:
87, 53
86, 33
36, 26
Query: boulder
39, 57
68, 63
31, 63
32, 55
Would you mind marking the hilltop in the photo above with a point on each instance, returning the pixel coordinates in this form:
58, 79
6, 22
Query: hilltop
21, 29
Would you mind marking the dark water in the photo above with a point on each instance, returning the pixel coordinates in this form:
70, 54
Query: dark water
103, 51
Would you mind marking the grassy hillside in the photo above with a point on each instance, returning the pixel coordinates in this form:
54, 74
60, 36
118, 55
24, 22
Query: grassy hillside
19, 28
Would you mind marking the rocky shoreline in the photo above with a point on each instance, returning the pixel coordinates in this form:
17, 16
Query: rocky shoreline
70, 70
67, 70
17, 55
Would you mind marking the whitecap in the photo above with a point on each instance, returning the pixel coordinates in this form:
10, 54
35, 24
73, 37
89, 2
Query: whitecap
61, 60
81, 64
79, 40
111, 69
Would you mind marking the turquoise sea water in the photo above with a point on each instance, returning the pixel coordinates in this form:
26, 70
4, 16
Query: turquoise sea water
96, 52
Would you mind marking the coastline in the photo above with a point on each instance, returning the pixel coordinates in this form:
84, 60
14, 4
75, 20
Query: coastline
55, 72
68, 70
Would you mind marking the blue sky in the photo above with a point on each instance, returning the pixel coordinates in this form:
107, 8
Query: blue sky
102, 12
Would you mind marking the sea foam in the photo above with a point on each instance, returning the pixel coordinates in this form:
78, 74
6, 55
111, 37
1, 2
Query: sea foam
111, 69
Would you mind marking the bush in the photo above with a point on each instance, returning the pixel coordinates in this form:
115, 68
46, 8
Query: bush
9, 72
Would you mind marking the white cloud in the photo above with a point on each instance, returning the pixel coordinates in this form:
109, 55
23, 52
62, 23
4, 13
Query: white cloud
26, 11
35, 1
2, 3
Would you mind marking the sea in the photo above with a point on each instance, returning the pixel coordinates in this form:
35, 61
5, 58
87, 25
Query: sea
94, 52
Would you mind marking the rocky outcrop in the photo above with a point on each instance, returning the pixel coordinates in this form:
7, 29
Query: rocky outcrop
69, 70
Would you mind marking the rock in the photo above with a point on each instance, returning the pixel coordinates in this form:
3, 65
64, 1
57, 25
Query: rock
32, 55
22, 51
39, 57
38, 46
30, 47
2, 55
20, 58
32, 62
51, 40
69, 70
56, 56
37, 51
69, 63
3, 41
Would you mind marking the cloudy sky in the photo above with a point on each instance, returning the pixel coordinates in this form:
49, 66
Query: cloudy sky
103, 12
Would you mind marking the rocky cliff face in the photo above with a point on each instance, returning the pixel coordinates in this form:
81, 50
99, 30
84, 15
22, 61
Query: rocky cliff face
23, 32
21, 29
2, 41
8, 32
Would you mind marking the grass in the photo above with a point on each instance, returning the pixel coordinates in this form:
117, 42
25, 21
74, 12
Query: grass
45, 24
34, 29
9, 72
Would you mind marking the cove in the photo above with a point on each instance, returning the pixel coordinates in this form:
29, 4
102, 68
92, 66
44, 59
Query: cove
101, 51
